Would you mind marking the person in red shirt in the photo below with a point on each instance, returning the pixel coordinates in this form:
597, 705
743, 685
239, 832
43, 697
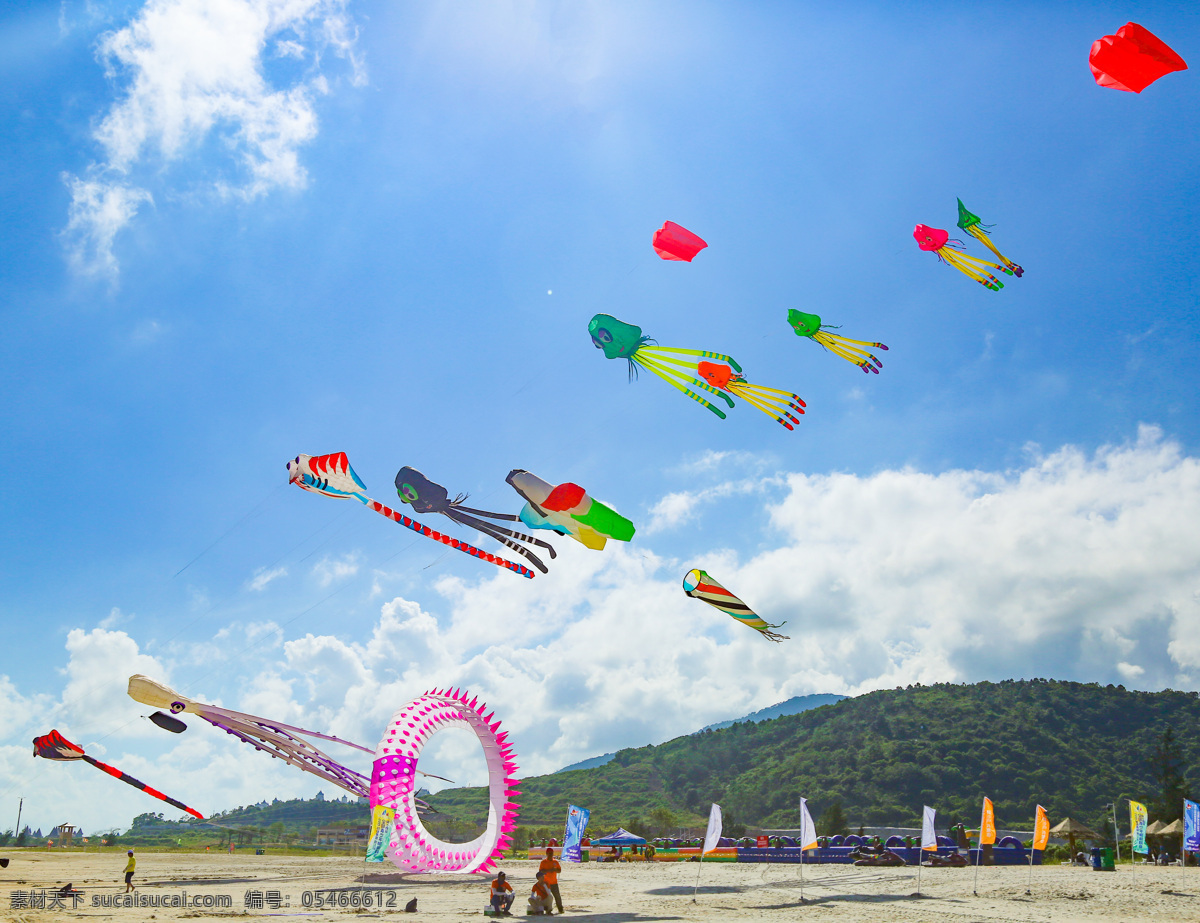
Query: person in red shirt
501, 894
539, 898
550, 867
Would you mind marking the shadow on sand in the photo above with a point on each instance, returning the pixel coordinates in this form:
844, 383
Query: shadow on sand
687, 890
414, 880
833, 898
618, 917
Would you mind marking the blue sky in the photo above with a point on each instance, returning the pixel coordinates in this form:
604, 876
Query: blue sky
382, 229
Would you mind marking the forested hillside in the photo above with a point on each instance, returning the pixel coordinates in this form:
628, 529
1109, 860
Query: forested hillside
1071, 747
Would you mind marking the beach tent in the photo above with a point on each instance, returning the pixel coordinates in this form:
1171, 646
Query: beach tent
621, 838
1072, 829
1155, 828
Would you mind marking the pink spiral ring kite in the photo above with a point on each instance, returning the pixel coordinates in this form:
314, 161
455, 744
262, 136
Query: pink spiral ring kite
393, 784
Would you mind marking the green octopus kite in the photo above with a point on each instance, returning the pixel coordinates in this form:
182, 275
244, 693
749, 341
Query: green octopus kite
974, 226
685, 369
809, 325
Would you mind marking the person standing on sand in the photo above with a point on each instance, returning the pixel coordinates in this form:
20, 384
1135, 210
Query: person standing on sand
129, 867
550, 866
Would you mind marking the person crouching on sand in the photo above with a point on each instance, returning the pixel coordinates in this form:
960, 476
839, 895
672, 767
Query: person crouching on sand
540, 902
501, 894
129, 867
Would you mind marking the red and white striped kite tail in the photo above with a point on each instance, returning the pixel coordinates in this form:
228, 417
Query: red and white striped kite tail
455, 543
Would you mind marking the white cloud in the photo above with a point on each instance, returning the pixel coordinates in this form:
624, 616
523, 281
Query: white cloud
712, 460
682, 506
328, 569
114, 618
98, 210
191, 69
147, 332
1130, 671
262, 577
101, 662
289, 49
1074, 566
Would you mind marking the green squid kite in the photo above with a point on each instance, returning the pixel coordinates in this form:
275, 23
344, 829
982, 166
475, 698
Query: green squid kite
973, 225
809, 325
685, 369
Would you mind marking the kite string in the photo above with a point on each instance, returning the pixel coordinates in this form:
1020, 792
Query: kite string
279, 629
241, 589
270, 495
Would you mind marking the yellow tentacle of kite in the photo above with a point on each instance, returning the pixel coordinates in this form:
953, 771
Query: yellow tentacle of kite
975, 268
769, 401
698, 353
654, 363
850, 353
675, 384
984, 238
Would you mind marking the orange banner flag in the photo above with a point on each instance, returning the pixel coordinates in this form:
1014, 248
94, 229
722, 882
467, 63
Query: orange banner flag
1041, 829
987, 824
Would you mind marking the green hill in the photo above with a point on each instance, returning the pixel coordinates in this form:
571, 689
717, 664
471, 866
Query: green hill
1071, 747
792, 706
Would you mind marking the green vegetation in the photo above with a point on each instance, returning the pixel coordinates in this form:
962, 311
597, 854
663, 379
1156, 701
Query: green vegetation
283, 826
1071, 747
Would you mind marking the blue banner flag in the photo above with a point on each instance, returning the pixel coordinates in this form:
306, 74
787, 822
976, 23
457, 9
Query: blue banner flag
577, 820
1191, 826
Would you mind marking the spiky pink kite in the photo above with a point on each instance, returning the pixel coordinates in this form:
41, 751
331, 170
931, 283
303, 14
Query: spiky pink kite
393, 784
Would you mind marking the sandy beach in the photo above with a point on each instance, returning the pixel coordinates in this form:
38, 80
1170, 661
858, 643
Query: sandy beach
249, 886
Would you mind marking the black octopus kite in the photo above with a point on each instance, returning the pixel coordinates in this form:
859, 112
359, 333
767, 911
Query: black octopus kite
424, 496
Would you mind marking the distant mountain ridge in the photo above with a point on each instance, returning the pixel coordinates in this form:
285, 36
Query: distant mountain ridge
1071, 747
792, 706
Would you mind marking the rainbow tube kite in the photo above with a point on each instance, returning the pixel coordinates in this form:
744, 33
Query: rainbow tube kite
54, 746
699, 585
568, 510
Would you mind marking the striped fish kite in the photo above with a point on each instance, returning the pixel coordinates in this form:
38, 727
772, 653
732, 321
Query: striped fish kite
699, 585
54, 746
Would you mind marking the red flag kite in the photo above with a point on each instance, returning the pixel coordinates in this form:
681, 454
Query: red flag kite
673, 242
1132, 59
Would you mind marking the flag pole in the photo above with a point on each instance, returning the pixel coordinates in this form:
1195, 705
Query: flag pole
979, 850
1132, 853
714, 816
1116, 831
802, 860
